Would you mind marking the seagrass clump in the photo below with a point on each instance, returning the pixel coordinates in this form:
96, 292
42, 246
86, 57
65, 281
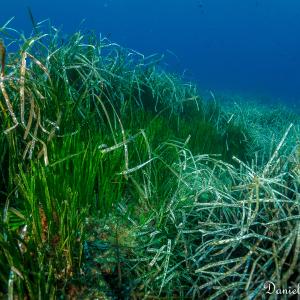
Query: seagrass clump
119, 181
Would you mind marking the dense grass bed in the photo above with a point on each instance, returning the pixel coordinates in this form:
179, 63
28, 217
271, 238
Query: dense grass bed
118, 181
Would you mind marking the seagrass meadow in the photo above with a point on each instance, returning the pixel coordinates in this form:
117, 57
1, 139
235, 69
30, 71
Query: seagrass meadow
118, 181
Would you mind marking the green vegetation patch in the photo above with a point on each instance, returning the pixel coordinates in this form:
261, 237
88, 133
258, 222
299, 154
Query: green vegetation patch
117, 181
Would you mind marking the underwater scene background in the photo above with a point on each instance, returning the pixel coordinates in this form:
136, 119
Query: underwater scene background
151, 151
250, 47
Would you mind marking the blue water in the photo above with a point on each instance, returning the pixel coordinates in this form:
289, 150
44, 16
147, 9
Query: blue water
240, 46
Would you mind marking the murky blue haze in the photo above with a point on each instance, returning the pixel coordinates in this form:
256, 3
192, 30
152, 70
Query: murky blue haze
241, 46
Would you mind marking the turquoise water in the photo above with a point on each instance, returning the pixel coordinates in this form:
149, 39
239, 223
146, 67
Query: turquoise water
237, 46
